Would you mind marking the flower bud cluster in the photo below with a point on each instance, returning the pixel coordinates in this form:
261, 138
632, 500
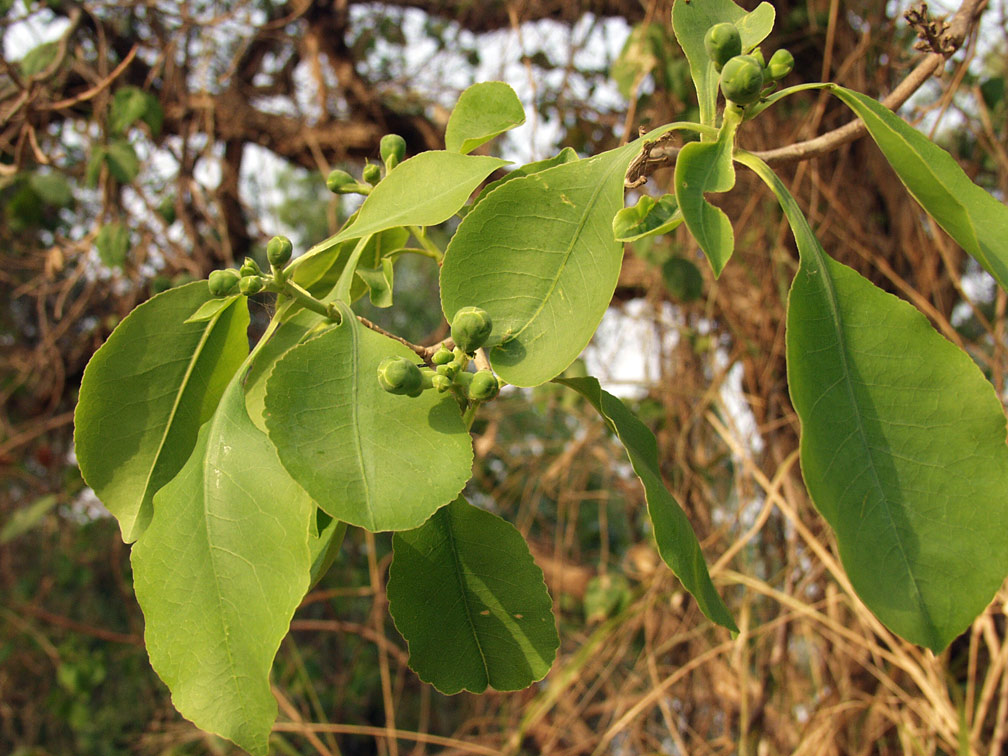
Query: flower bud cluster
747, 77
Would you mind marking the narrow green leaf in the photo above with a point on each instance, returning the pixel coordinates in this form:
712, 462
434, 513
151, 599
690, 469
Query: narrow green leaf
465, 594
145, 393
538, 254
691, 20
368, 457
219, 573
970, 215
482, 112
707, 167
113, 244
319, 273
677, 543
902, 445
425, 190
649, 217
26, 517
209, 309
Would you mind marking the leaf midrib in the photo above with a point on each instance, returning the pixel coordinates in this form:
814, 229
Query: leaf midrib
457, 563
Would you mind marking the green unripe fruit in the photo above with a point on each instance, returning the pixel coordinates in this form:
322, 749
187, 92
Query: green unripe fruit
223, 283
484, 386
441, 383
442, 356
372, 173
398, 375
249, 285
250, 268
340, 182
392, 149
471, 328
742, 80
279, 250
780, 65
722, 43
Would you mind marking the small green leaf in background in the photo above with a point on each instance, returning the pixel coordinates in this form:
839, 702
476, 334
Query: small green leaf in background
968, 213
691, 20
677, 543
122, 162
638, 58
538, 255
707, 167
425, 190
52, 188
113, 244
379, 283
482, 112
132, 104
649, 217
467, 597
902, 445
145, 393
605, 596
218, 574
38, 59
682, 279
27, 517
367, 457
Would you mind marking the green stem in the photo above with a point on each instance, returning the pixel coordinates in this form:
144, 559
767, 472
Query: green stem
295, 292
431, 248
469, 416
434, 255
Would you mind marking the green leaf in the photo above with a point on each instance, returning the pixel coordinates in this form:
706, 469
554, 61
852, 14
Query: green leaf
122, 161
970, 215
319, 273
219, 573
132, 104
707, 167
209, 309
368, 457
27, 517
677, 543
379, 283
682, 279
324, 542
566, 155
902, 445
539, 256
690, 21
482, 112
113, 244
649, 217
145, 393
638, 58
425, 190
52, 188
467, 597
38, 59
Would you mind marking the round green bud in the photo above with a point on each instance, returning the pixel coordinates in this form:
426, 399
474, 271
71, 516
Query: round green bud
780, 65
442, 356
279, 250
249, 285
398, 375
441, 383
392, 149
470, 328
722, 43
223, 283
372, 173
758, 54
250, 268
448, 369
742, 80
340, 182
484, 386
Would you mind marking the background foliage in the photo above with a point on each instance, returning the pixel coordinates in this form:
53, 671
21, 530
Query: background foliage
144, 144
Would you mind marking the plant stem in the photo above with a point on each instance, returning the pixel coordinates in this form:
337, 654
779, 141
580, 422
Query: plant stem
294, 291
421, 236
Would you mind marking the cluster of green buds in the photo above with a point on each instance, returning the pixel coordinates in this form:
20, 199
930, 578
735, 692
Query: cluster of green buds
745, 78
470, 329
250, 279
392, 149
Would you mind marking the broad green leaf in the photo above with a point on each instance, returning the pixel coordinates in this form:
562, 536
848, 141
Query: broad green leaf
113, 244
902, 445
970, 215
649, 217
324, 542
566, 155
707, 167
677, 543
368, 457
378, 282
538, 254
482, 112
145, 393
691, 20
467, 597
219, 573
122, 162
425, 190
